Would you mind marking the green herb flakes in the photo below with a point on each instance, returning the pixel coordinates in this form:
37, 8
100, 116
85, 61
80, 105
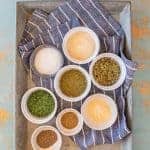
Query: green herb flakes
40, 103
73, 83
106, 71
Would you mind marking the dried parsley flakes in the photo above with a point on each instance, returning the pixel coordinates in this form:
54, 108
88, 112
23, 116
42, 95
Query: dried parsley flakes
40, 103
106, 71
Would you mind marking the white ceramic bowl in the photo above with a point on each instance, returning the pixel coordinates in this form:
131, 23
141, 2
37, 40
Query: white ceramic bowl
28, 115
58, 77
113, 107
121, 78
92, 34
39, 49
65, 131
56, 146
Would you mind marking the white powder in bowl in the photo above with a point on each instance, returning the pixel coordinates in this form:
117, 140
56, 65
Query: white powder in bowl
48, 60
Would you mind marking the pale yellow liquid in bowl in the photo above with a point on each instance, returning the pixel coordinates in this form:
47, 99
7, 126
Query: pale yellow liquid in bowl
80, 45
98, 111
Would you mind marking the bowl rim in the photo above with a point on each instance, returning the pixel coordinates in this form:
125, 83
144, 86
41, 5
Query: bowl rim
69, 132
32, 57
58, 90
111, 103
93, 35
31, 117
121, 78
56, 145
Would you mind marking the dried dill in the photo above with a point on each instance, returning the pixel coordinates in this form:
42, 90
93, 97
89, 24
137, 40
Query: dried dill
106, 71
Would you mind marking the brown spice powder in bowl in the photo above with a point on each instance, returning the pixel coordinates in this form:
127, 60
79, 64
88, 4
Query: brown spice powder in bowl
69, 120
46, 138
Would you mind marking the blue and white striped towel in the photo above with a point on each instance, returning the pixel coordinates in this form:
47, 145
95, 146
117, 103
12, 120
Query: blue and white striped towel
50, 28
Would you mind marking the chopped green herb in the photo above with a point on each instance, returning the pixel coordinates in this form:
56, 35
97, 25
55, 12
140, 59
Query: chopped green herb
106, 71
40, 103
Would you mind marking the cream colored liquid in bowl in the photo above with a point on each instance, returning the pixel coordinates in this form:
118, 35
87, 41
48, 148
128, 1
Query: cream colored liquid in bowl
98, 111
80, 45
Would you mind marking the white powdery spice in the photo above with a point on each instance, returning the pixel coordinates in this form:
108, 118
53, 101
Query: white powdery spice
48, 60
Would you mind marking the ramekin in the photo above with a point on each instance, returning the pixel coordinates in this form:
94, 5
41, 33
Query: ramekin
112, 105
56, 146
93, 35
121, 78
65, 131
58, 77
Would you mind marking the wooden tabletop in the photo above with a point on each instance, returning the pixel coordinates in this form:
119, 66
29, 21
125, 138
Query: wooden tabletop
141, 85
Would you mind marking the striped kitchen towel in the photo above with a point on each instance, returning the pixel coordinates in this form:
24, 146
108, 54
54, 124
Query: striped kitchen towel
50, 28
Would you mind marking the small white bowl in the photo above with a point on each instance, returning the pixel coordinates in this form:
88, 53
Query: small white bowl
48, 47
56, 146
65, 131
112, 105
57, 81
28, 115
121, 78
92, 34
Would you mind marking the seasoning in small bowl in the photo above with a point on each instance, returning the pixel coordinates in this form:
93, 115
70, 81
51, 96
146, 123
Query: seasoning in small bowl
81, 45
46, 137
99, 111
108, 71
39, 105
72, 83
46, 60
69, 121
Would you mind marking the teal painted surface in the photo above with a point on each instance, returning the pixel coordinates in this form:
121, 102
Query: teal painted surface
7, 55
141, 92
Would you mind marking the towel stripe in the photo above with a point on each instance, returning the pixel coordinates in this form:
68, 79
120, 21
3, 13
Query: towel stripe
51, 37
114, 95
109, 23
35, 25
41, 39
45, 21
102, 135
64, 13
52, 14
29, 33
76, 14
42, 14
92, 18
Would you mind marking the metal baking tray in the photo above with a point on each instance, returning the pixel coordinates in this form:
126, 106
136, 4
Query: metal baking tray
121, 10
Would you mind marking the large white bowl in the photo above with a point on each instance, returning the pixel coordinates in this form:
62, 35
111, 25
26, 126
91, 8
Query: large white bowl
57, 81
56, 146
28, 115
93, 35
121, 78
113, 107
69, 132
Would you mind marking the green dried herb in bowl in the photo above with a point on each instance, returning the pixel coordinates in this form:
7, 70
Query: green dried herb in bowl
40, 103
106, 71
73, 83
